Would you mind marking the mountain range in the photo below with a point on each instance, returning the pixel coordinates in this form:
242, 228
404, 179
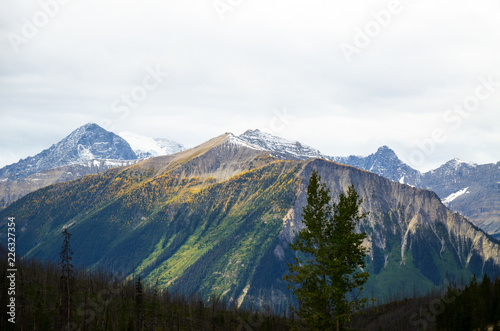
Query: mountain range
218, 218
465, 187
472, 190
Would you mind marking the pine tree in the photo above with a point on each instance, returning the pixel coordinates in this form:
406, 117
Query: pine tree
66, 280
326, 274
139, 304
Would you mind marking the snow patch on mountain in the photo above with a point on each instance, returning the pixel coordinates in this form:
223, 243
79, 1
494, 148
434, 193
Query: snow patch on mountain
146, 147
454, 165
84, 154
446, 201
280, 145
459, 162
235, 140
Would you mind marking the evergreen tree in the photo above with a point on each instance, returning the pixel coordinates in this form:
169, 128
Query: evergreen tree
66, 280
139, 304
325, 276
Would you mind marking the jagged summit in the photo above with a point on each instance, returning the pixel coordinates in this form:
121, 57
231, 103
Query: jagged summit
283, 148
88, 126
86, 143
385, 150
235, 140
465, 187
457, 163
453, 166
383, 162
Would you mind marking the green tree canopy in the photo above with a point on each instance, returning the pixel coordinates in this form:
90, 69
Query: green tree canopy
328, 267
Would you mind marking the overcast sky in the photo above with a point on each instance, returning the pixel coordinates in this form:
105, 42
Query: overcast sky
422, 77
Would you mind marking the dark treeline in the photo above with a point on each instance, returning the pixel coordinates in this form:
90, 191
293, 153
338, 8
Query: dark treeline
99, 301
102, 301
477, 307
459, 307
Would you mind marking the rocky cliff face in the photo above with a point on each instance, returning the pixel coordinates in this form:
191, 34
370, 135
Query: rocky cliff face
409, 230
464, 187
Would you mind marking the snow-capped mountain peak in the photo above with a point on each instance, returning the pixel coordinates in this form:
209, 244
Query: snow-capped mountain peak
456, 163
236, 140
145, 147
284, 147
88, 142
383, 162
453, 166
387, 152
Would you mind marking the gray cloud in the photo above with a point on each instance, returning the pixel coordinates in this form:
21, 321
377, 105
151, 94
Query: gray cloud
232, 74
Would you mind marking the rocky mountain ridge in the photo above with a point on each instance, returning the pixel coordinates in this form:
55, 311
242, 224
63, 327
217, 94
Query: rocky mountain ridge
468, 188
472, 190
282, 148
465, 187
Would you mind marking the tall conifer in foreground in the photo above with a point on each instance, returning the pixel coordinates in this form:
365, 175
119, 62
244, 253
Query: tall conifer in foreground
327, 269
139, 304
66, 280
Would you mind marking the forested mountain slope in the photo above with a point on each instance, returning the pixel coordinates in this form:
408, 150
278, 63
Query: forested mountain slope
217, 219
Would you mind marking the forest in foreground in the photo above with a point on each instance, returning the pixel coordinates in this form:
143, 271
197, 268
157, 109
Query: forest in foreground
101, 301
